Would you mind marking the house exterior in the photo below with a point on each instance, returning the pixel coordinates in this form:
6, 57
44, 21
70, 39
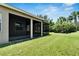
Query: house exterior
18, 24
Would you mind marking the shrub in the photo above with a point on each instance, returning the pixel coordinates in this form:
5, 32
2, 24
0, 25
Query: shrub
78, 27
64, 27
51, 28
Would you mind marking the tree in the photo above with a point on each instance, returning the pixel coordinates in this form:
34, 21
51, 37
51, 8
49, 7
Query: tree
49, 21
51, 24
45, 17
74, 14
61, 19
77, 12
78, 22
40, 16
70, 18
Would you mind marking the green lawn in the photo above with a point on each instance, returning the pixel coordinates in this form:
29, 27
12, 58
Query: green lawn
55, 44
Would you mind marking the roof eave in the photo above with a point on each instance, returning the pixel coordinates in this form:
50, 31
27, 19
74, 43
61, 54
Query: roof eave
22, 11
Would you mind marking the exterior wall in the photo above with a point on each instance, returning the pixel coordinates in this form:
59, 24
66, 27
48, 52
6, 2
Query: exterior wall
4, 36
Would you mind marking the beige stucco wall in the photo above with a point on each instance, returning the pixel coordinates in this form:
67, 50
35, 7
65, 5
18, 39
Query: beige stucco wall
4, 35
4, 32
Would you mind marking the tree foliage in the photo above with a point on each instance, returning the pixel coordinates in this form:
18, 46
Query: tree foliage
65, 27
74, 14
70, 18
63, 24
61, 19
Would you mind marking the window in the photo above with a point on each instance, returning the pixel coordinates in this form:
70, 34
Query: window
0, 22
37, 27
19, 26
28, 27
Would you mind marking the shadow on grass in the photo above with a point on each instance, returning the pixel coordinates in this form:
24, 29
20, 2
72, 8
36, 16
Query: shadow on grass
19, 41
13, 42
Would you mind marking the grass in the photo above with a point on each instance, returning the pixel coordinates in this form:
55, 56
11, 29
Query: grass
55, 44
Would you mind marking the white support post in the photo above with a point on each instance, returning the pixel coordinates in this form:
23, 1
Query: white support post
41, 28
31, 28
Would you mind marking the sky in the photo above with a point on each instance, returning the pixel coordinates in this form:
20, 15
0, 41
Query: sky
53, 10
